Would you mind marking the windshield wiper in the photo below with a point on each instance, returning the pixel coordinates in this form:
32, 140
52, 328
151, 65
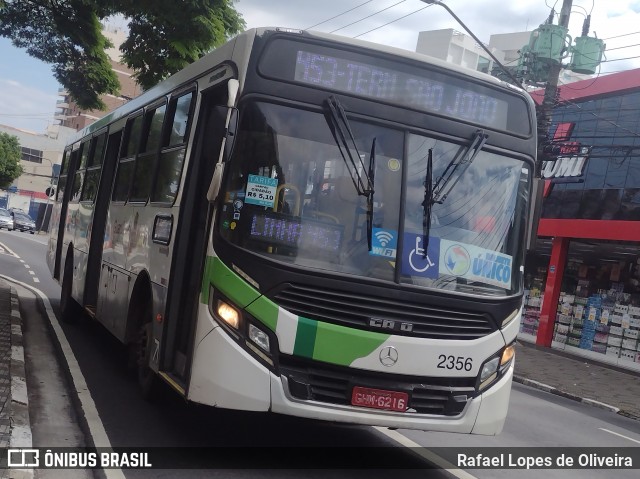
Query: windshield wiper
343, 136
372, 175
458, 164
341, 131
427, 203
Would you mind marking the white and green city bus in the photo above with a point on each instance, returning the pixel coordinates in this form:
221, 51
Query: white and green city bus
309, 225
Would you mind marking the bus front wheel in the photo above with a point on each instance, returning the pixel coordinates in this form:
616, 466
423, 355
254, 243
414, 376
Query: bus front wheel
147, 378
69, 309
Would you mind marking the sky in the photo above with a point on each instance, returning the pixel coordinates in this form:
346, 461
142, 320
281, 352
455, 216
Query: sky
28, 90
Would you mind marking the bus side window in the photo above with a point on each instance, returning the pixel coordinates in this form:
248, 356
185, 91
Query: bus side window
78, 180
146, 160
127, 158
94, 168
62, 177
169, 166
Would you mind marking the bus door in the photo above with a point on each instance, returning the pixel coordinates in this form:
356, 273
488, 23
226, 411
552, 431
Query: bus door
98, 239
192, 231
67, 173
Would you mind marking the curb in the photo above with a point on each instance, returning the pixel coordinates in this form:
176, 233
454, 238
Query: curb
558, 392
21, 435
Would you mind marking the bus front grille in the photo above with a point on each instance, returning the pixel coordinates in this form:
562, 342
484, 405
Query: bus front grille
334, 385
383, 314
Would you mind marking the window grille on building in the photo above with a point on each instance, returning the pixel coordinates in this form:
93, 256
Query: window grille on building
29, 154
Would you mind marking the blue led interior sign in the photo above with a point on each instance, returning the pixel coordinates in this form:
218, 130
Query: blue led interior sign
279, 229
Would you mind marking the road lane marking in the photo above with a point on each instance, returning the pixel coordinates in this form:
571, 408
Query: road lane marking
425, 453
4, 248
618, 434
36, 280
79, 383
32, 273
27, 266
22, 261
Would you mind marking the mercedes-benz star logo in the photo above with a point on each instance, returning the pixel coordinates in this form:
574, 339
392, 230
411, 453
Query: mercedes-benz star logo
388, 356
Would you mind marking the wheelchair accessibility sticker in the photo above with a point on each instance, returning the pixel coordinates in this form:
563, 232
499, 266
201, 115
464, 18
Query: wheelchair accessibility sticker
414, 260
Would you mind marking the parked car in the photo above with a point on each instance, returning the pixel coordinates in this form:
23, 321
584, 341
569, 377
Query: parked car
6, 220
23, 222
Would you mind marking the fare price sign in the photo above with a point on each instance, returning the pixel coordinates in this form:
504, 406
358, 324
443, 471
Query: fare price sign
261, 191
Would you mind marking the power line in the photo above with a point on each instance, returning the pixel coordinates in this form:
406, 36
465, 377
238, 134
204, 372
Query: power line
339, 15
368, 16
626, 46
623, 35
620, 59
393, 21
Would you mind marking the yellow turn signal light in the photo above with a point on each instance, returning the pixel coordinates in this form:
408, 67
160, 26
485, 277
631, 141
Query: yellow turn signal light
508, 354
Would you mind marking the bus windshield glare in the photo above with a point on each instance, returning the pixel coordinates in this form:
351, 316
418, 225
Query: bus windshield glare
290, 197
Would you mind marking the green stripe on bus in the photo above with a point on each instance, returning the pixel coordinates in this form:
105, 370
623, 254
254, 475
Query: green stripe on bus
227, 282
340, 345
305, 337
265, 311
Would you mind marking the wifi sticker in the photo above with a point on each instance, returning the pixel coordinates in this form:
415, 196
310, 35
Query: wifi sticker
384, 243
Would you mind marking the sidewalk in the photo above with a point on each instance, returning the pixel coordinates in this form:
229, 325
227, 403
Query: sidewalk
579, 379
15, 429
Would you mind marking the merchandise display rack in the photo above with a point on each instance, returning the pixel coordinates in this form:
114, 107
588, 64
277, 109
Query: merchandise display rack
606, 323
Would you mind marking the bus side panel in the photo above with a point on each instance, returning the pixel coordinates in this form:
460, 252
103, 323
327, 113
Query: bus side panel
52, 245
114, 251
67, 242
84, 216
113, 298
113, 289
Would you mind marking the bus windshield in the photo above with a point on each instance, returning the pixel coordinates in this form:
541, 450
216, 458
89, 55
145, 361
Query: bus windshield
291, 196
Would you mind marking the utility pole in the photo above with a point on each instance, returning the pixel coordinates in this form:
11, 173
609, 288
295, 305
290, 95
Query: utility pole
560, 245
550, 92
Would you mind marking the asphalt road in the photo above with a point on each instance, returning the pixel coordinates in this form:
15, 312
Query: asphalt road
536, 419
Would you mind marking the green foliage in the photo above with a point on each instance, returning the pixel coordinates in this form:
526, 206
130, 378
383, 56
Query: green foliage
164, 39
164, 36
10, 154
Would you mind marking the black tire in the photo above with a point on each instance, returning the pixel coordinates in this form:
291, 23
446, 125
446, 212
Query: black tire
143, 344
69, 308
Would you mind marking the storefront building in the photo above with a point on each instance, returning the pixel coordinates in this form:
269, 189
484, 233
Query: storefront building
583, 282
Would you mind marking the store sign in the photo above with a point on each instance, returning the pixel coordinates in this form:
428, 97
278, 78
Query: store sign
567, 166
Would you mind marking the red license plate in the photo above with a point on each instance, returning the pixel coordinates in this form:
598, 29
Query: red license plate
379, 399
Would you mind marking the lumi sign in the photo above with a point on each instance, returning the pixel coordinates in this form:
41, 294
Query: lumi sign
567, 166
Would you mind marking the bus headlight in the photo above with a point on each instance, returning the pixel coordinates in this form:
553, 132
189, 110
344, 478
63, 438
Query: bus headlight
259, 337
228, 314
493, 368
243, 328
489, 372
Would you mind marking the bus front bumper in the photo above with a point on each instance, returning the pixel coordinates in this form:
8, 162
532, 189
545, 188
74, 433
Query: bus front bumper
227, 376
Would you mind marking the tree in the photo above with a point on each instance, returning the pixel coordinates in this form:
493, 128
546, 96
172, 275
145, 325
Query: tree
10, 154
164, 36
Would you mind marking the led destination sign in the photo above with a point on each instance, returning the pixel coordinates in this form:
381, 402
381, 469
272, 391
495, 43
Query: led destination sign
278, 229
385, 84
404, 82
